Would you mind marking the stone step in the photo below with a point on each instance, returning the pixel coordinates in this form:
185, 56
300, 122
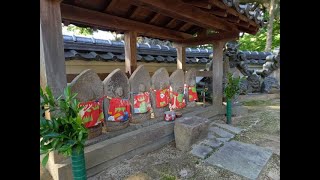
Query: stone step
232, 129
223, 140
246, 160
201, 151
211, 135
220, 132
214, 143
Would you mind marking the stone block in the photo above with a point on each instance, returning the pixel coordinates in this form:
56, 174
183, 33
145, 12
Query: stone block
189, 130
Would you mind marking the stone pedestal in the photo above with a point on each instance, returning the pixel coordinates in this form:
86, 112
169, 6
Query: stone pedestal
189, 130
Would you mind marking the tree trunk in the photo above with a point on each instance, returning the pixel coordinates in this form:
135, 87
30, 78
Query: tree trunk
270, 25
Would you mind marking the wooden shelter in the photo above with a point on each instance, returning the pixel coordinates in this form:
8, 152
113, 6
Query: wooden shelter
184, 22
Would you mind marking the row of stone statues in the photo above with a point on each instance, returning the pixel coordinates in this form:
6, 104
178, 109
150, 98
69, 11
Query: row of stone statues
138, 98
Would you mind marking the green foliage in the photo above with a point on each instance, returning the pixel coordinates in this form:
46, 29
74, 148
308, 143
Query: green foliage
232, 86
66, 129
80, 30
258, 42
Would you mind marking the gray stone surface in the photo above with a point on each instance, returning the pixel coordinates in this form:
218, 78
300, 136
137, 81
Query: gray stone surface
139, 76
220, 132
223, 139
159, 80
270, 85
190, 80
189, 130
177, 81
233, 129
212, 142
211, 136
244, 159
111, 83
201, 151
239, 110
88, 86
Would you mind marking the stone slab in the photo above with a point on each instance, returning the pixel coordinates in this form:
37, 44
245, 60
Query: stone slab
212, 142
239, 111
220, 132
223, 139
211, 136
233, 129
243, 159
201, 151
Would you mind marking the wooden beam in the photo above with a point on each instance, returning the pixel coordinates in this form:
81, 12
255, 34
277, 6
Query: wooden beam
102, 20
233, 19
199, 3
218, 12
225, 10
217, 3
204, 73
186, 12
181, 57
208, 39
130, 49
77, 66
231, 11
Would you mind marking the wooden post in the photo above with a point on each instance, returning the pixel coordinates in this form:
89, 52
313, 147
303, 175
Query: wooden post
217, 76
181, 57
52, 61
130, 44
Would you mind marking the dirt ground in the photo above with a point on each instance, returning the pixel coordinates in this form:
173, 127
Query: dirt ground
262, 127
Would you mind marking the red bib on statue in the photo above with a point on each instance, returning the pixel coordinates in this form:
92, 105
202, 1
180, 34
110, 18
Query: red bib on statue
94, 110
177, 100
162, 98
119, 110
192, 93
141, 103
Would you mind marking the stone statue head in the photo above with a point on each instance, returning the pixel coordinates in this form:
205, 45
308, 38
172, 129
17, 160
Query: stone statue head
163, 85
231, 48
192, 82
142, 88
119, 92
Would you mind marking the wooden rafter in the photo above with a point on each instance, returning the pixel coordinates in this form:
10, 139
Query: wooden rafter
154, 18
102, 20
187, 13
185, 27
135, 11
208, 39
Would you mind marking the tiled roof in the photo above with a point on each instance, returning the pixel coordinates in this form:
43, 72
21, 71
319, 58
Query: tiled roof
105, 50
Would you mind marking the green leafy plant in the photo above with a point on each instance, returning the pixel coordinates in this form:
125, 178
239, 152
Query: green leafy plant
231, 89
232, 86
64, 132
